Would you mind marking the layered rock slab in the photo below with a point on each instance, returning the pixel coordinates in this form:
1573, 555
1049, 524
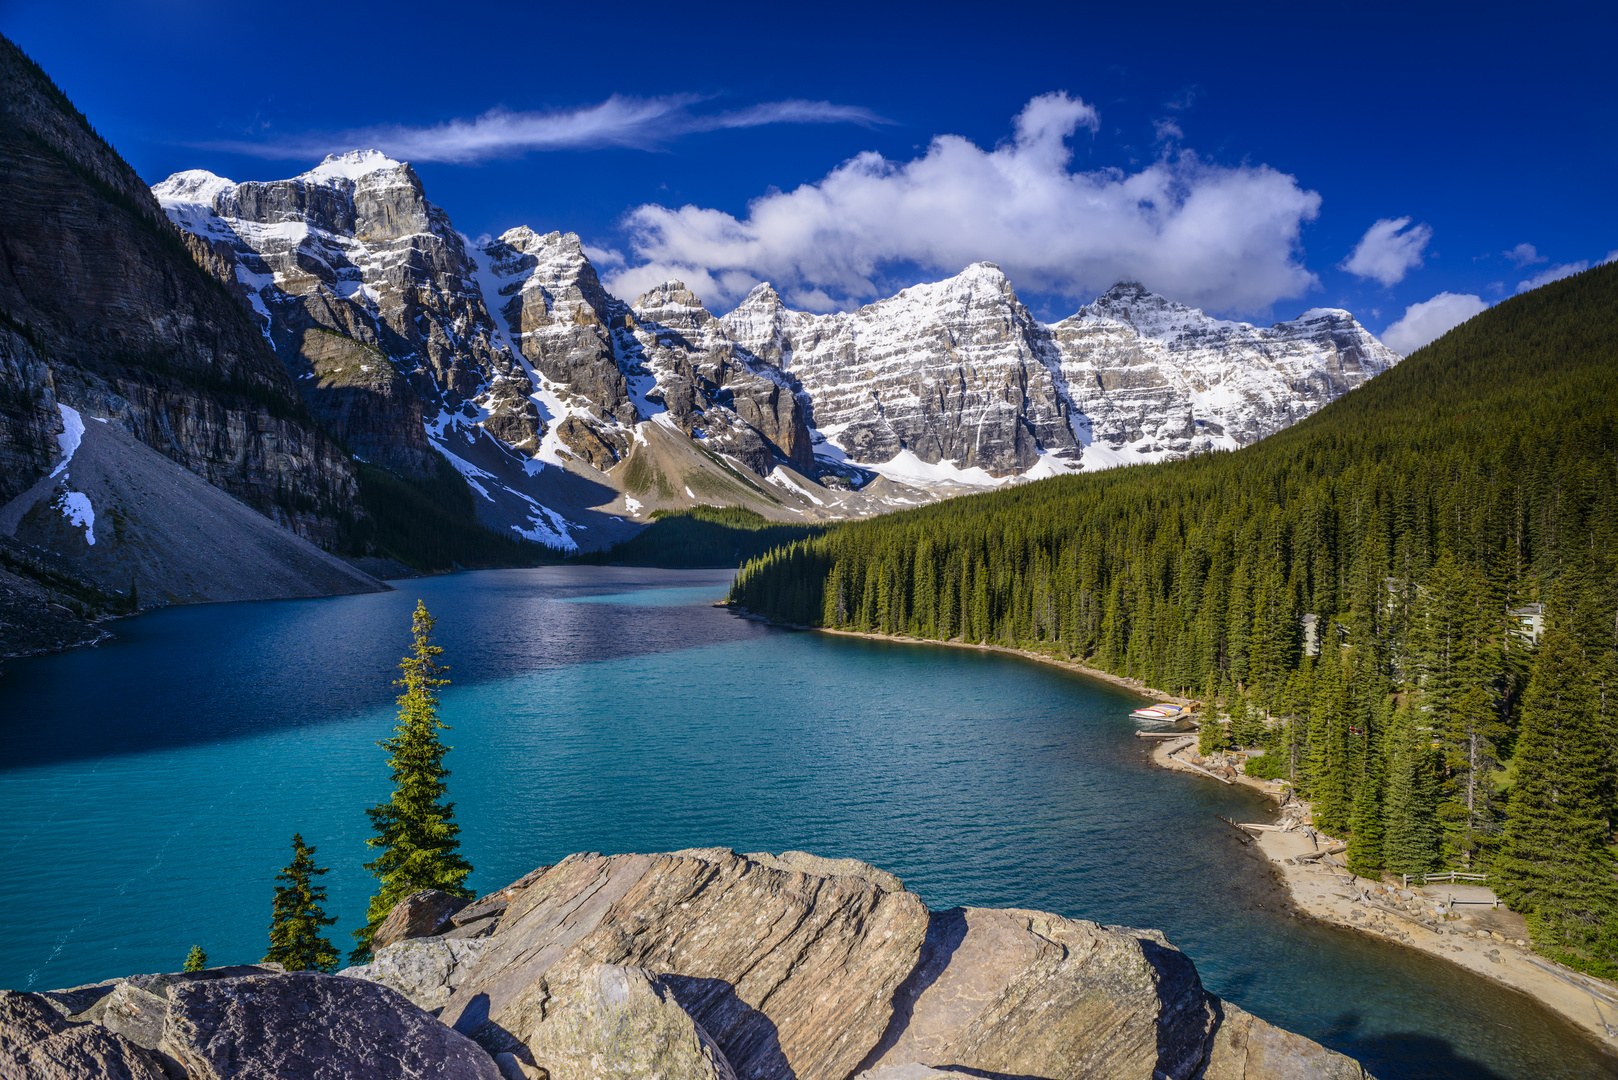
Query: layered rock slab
791, 973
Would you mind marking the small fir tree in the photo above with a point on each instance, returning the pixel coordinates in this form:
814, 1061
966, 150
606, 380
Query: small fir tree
295, 939
415, 829
196, 959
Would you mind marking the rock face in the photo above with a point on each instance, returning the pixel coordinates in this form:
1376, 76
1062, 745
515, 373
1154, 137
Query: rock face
792, 974
103, 307
368, 294
1153, 379
951, 372
799, 966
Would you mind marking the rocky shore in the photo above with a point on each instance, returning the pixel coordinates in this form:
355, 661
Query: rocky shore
696, 965
1459, 923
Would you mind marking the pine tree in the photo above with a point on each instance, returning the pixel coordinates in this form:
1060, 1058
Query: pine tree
415, 829
297, 916
196, 959
1211, 736
1555, 865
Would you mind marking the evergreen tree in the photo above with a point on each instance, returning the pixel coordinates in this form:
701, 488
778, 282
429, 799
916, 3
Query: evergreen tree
415, 829
1411, 836
297, 916
196, 959
1555, 866
1211, 736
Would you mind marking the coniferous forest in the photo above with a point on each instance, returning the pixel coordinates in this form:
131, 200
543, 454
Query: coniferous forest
1409, 600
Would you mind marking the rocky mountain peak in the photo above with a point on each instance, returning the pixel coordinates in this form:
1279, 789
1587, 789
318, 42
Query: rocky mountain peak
355, 165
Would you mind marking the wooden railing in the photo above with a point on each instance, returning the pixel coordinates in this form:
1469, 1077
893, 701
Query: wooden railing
1449, 876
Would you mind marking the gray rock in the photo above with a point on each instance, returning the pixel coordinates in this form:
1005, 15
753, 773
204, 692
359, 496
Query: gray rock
477, 928
603, 1021
1247, 1048
38, 1043
1027, 993
425, 970
307, 1025
421, 914
792, 974
136, 1014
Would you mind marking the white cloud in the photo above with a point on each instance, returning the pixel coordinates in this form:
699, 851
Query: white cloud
1388, 250
1225, 238
1526, 255
1562, 270
637, 123
1431, 320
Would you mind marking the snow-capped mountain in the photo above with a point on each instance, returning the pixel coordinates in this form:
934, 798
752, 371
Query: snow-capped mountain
569, 410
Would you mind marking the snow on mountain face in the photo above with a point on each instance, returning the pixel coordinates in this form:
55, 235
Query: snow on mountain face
1150, 379
950, 372
959, 373
511, 357
362, 285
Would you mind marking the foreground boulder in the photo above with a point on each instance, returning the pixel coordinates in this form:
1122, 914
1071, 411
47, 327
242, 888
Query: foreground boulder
792, 973
605, 1021
263, 1025
696, 965
38, 1043
421, 914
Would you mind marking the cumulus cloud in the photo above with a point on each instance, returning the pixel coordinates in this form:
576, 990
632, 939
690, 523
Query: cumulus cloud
636, 123
1389, 249
1221, 237
1431, 320
1526, 255
1562, 270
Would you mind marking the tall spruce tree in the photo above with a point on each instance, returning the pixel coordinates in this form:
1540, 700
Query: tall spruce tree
1410, 834
415, 829
1555, 865
296, 942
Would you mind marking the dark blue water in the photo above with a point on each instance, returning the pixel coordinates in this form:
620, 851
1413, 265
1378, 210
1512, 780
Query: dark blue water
150, 787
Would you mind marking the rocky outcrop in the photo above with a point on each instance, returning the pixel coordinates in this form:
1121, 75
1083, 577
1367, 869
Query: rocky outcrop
815, 968
103, 306
695, 965
244, 1023
38, 1043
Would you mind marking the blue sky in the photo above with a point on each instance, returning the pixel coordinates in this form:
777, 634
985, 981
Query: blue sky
1235, 159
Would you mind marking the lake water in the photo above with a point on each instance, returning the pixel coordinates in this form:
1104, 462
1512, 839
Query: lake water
150, 788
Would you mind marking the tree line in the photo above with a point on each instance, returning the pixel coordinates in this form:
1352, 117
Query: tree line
1341, 594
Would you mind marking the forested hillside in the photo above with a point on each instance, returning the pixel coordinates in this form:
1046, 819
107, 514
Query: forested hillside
1343, 590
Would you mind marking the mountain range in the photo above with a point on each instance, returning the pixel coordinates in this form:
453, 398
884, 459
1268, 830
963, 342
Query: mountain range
331, 352
511, 360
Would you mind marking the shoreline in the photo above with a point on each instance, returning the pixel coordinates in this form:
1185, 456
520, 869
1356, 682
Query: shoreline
1328, 893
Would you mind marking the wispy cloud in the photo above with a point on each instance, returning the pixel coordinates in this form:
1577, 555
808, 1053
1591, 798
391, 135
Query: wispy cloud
1562, 270
1389, 249
635, 123
1526, 255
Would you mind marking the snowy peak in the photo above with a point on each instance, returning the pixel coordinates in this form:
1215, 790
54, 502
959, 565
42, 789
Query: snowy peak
353, 165
193, 187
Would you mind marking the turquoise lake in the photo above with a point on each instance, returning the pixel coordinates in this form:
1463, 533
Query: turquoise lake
150, 788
